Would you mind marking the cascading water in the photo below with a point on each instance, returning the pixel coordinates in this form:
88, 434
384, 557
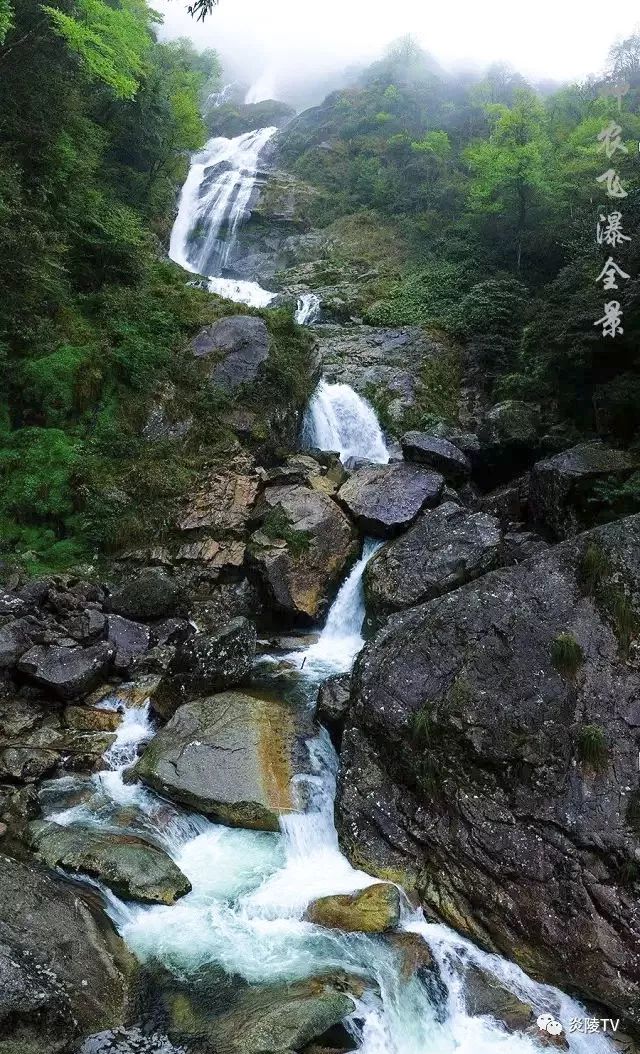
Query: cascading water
213, 205
339, 419
308, 309
250, 889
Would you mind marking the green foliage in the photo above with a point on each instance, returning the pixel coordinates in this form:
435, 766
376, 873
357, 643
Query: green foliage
439, 392
36, 470
112, 41
277, 525
566, 655
592, 747
594, 569
6, 19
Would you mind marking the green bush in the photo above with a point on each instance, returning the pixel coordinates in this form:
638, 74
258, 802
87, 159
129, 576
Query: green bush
566, 655
592, 747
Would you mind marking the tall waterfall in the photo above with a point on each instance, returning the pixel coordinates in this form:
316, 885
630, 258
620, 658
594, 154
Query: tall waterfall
340, 419
213, 204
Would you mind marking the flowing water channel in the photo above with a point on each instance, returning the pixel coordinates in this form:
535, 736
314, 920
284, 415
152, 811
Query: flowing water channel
250, 889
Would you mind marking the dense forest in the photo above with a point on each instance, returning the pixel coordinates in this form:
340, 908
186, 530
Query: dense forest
492, 194
489, 192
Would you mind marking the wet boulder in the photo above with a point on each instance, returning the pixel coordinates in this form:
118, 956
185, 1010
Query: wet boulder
131, 867
509, 441
64, 973
149, 595
491, 752
207, 663
445, 548
67, 672
238, 345
281, 1018
229, 757
375, 909
16, 637
384, 500
332, 705
486, 996
562, 495
301, 550
438, 453
128, 638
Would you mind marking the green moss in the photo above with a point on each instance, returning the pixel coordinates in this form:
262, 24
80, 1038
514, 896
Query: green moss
439, 392
566, 655
460, 694
592, 748
276, 525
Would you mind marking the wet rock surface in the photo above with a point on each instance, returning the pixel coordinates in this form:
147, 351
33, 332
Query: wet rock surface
240, 342
438, 453
63, 973
229, 756
67, 672
131, 867
445, 548
563, 497
207, 663
490, 762
375, 909
301, 549
384, 500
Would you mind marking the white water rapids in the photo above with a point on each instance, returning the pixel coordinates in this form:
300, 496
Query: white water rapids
251, 889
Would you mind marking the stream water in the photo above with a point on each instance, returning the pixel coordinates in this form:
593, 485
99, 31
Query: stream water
250, 889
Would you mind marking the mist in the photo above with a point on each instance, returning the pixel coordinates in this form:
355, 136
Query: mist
294, 50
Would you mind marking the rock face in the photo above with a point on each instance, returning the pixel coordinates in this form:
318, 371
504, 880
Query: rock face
127, 864
208, 663
279, 1019
561, 495
438, 453
67, 672
63, 974
491, 754
301, 549
445, 548
152, 594
128, 638
229, 756
332, 705
241, 342
387, 361
375, 909
386, 499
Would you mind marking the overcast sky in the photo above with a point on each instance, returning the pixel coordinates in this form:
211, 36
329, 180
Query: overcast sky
558, 39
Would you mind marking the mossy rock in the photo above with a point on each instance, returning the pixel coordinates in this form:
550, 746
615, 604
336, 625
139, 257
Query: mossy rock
375, 909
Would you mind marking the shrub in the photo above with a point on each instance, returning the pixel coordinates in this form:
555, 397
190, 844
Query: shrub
592, 747
566, 655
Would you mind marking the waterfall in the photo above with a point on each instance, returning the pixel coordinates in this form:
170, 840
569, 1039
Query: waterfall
308, 309
341, 639
339, 419
213, 205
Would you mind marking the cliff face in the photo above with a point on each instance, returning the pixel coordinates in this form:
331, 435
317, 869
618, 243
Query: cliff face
491, 760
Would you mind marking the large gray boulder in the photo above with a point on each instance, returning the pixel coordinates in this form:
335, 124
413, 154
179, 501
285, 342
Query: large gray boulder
230, 757
128, 638
385, 499
491, 762
126, 863
438, 453
208, 662
282, 1018
301, 550
445, 548
561, 493
63, 971
67, 672
149, 595
239, 345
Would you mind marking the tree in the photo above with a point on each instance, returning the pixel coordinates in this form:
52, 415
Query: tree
510, 170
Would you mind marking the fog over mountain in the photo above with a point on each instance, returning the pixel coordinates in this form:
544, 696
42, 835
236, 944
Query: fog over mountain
290, 48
